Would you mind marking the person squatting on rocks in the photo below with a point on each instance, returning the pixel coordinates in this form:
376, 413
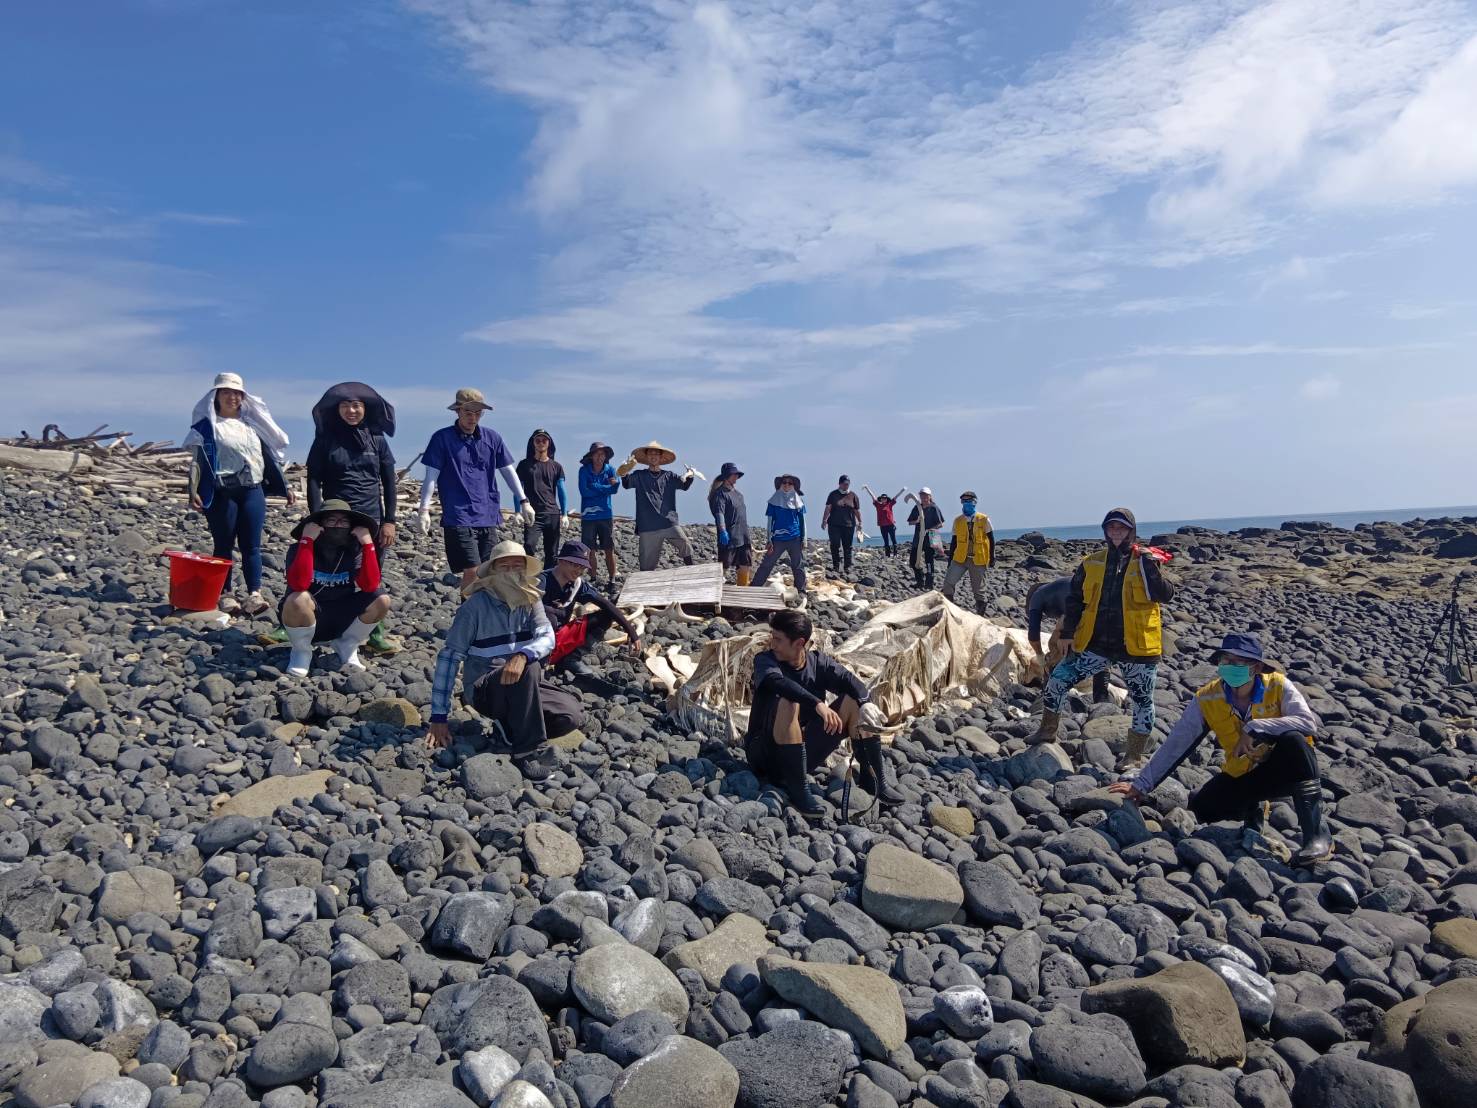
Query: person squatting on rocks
542, 479
842, 516
1265, 728
971, 550
731, 520
565, 588
785, 518
499, 640
927, 520
598, 484
1048, 599
656, 502
792, 725
1114, 619
334, 591
350, 460
886, 507
235, 464
462, 466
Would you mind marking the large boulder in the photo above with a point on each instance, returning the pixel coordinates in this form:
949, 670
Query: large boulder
795, 1065
679, 1073
1434, 1039
738, 939
993, 896
265, 797
1181, 1015
908, 892
491, 1011
140, 889
551, 850
1349, 1082
857, 999
616, 979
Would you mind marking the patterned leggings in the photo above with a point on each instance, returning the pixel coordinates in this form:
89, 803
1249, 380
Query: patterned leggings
1138, 676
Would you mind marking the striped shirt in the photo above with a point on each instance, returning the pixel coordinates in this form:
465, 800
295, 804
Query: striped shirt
485, 629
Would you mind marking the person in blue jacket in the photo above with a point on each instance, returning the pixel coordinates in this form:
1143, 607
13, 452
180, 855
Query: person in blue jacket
785, 514
235, 464
598, 484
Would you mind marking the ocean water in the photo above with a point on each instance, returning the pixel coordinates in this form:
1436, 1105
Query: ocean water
1346, 520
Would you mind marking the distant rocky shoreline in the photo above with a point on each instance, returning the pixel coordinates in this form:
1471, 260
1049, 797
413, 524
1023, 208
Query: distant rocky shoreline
219, 887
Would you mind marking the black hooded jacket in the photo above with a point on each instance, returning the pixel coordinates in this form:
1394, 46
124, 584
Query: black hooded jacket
353, 463
540, 480
1107, 630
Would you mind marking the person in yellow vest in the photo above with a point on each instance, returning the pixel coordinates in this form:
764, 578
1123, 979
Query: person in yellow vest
1113, 619
1265, 729
971, 550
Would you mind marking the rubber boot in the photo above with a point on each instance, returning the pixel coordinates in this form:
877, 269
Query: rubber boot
586, 678
1046, 733
538, 764
301, 658
1135, 751
381, 643
794, 778
1307, 801
872, 770
346, 646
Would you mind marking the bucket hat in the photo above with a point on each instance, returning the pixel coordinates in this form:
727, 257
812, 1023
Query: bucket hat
1243, 646
729, 470
595, 448
356, 519
667, 456
968, 494
576, 553
783, 477
469, 397
229, 381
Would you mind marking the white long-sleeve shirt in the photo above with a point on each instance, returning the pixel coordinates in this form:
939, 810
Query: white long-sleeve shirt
1296, 716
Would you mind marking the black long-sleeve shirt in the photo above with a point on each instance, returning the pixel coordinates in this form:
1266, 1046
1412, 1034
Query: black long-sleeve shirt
1107, 630
820, 677
560, 599
338, 470
1047, 600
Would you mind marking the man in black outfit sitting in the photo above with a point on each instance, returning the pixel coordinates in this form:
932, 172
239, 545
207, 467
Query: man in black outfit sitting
792, 726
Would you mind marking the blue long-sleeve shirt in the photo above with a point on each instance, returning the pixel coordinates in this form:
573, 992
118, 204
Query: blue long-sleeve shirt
484, 629
785, 524
596, 491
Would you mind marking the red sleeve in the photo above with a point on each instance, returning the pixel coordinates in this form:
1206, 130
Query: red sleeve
369, 568
300, 568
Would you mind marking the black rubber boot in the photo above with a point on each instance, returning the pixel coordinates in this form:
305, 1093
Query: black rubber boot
537, 764
872, 770
794, 778
1307, 801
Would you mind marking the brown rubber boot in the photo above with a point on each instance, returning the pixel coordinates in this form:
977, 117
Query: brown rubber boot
1135, 751
1046, 733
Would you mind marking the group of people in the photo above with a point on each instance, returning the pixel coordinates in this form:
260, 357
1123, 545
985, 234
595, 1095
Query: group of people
518, 616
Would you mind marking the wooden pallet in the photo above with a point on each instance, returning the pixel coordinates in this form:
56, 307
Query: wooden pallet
700, 585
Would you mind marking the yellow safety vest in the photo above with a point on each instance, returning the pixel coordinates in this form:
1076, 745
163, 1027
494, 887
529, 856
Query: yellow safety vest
1142, 628
981, 542
1222, 719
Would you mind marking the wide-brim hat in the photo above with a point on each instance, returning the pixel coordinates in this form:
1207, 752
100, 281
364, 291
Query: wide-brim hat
532, 564
356, 519
729, 470
1242, 646
229, 381
467, 398
654, 447
576, 553
968, 494
595, 448
783, 477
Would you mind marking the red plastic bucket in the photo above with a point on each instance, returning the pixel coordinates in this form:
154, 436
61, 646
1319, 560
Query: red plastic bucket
196, 580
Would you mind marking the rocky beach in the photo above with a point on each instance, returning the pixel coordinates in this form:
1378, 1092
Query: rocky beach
223, 887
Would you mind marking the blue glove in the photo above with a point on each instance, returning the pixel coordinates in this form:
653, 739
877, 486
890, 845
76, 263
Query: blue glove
722, 538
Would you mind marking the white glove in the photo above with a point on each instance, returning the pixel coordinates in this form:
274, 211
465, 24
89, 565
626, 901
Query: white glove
871, 717
423, 521
527, 514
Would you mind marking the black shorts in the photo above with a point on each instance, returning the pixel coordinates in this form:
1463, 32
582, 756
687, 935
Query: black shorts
732, 556
598, 534
468, 547
336, 609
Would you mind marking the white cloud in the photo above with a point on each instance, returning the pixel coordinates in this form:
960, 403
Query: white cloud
1324, 387
1279, 349
1111, 379
1408, 312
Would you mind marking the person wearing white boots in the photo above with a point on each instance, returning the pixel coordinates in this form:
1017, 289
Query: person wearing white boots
334, 591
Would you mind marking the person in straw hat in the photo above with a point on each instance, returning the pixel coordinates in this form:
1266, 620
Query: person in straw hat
598, 484
1265, 729
236, 460
463, 462
334, 587
656, 502
499, 642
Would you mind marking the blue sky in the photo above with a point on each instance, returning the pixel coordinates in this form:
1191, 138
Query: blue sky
1202, 259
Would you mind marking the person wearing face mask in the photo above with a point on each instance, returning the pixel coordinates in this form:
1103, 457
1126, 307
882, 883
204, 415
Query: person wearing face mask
785, 515
350, 460
236, 460
499, 641
334, 591
1113, 619
1265, 729
971, 550
927, 520
842, 514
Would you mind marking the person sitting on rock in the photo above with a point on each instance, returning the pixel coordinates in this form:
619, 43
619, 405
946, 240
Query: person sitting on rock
1265, 727
564, 588
971, 550
1048, 600
792, 727
499, 640
1113, 618
333, 586
656, 503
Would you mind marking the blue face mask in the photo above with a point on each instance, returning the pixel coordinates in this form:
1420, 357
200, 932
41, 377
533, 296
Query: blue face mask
969, 507
1235, 676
